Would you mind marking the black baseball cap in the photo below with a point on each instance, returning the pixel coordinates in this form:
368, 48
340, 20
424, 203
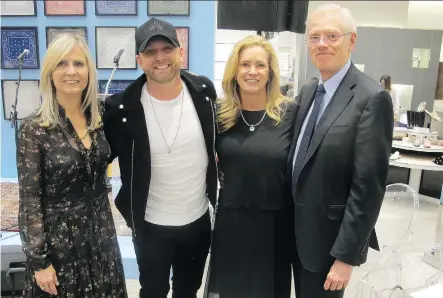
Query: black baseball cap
155, 27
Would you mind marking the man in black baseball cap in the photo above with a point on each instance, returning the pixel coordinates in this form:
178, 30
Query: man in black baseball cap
158, 52
162, 129
155, 27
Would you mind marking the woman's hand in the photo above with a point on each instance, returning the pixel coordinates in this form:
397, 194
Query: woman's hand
46, 279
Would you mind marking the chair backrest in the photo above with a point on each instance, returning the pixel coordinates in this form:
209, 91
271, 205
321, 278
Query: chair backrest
401, 268
394, 224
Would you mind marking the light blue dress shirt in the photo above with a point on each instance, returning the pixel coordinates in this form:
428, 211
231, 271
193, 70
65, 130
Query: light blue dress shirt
331, 86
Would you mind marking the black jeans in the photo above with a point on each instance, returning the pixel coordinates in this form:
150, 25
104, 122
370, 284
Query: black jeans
184, 248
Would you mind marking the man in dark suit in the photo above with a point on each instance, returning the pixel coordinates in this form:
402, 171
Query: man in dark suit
339, 159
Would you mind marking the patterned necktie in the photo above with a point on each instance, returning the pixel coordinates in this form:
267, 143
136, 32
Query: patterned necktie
307, 136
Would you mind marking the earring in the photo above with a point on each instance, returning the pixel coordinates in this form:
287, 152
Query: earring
268, 90
235, 84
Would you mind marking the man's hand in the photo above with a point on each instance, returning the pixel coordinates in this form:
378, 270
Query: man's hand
46, 279
338, 276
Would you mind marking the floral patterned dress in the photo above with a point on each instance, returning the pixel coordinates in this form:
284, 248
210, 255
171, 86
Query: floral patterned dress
65, 217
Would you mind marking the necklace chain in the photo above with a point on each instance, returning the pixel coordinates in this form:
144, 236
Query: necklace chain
87, 132
158, 123
252, 126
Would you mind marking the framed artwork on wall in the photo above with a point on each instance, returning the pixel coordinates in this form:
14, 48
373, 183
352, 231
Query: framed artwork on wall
108, 42
115, 8
14, 41
13, 8
53, 32
65, 8
183, 38
28, 97
115, 87
164, 8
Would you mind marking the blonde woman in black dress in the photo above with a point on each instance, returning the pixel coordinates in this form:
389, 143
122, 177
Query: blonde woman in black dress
250, 254
65, 219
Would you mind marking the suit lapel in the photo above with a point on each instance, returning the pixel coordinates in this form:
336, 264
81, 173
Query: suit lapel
338, 103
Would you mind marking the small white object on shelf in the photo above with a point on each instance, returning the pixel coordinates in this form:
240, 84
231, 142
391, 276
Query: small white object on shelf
417, 129
421, 107
395, 156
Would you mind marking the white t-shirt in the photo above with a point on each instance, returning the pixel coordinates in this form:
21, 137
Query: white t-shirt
177, 192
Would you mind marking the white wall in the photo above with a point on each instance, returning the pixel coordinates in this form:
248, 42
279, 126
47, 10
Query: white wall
373, 13
425, 15
397, 14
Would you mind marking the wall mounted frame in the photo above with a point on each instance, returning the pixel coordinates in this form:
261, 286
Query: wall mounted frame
116, 8
65, 8
28, 97
168, 8
14, 40
183, 38
53, 32
13, 8
115, 87
420, 58
109, 40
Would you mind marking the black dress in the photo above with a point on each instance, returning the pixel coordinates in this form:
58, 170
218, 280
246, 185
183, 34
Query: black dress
250, 254
64, 216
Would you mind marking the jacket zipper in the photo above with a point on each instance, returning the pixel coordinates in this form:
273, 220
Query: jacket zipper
132, 178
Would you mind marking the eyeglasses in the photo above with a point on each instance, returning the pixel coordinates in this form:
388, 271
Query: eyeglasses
327, 39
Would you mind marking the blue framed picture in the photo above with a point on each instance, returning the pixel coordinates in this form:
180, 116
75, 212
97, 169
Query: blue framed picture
114, 87
14, 41
115, 8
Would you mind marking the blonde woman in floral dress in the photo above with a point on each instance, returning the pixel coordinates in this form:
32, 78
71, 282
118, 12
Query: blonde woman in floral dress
65, 219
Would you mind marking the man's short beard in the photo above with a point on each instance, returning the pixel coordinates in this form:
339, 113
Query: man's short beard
165, 80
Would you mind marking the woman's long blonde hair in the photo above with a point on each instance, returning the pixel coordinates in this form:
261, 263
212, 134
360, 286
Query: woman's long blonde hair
230, 105
48, 114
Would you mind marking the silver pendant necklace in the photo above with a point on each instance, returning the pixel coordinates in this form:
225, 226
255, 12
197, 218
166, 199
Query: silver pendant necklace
179, 121
252, 126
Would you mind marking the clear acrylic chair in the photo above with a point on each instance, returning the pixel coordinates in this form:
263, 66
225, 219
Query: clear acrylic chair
399, 269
